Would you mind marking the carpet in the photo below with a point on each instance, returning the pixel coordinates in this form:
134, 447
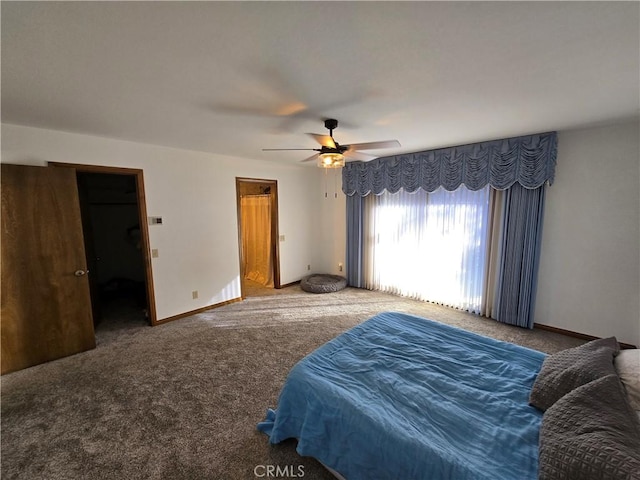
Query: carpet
181, 400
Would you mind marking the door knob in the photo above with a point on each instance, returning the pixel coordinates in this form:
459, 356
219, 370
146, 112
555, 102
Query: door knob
80, 273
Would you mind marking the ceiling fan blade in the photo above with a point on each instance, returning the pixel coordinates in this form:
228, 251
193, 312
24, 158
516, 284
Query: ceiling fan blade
353, 155
324, 140
282, 149
239, 110
374, 145
312, 158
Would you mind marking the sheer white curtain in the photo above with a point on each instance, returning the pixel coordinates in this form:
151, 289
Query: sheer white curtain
256, 238
429, 246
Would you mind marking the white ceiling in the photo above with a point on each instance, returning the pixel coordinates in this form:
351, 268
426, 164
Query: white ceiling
235, 77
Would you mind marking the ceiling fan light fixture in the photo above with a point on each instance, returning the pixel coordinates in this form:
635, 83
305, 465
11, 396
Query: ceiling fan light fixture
331, 160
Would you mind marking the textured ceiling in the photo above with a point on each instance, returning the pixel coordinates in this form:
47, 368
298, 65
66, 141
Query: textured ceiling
235, 77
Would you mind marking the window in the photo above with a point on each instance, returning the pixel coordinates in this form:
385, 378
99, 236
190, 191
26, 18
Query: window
428, 246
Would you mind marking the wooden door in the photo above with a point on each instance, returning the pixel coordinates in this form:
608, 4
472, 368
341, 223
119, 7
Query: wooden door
45, 303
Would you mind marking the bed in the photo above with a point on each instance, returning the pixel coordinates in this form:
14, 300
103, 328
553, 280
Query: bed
400, 396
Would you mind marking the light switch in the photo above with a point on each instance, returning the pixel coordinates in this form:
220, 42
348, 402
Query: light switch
154, 252
282, 238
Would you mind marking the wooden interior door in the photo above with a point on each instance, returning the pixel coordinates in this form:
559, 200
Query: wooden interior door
45, 302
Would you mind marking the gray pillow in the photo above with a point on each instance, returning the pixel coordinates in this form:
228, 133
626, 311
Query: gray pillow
571, 368
590, 433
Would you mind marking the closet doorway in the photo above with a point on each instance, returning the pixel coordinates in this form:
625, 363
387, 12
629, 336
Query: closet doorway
257, 204
116, 238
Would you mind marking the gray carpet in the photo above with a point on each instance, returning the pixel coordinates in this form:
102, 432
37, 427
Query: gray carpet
181, 401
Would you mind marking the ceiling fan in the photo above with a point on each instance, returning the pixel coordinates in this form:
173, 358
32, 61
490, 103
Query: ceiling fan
333, 155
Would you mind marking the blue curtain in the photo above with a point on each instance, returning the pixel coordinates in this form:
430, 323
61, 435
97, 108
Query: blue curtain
529, 160
521, 241
355, 241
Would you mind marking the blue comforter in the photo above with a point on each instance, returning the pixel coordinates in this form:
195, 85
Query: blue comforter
403, 397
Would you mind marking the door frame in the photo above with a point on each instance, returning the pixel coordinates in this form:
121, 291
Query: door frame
275, 236
142, 213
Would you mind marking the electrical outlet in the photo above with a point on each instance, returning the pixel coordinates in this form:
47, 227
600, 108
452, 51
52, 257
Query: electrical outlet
339, 267
308, 267
154, 252
282, 238
194, 294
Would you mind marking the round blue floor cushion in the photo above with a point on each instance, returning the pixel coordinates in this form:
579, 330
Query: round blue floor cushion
322, 283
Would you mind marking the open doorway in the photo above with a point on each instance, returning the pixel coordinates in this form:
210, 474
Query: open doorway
111, 224
257, 203
113, 210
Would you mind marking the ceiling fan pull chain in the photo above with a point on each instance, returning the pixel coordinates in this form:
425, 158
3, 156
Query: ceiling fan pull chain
325, 183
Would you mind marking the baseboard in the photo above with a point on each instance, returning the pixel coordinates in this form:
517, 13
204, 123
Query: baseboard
570, 333
199, 310
289, 284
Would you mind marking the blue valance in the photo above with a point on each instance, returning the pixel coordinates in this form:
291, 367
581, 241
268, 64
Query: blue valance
529, 160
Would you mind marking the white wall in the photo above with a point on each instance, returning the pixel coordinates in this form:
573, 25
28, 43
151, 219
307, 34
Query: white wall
194, 193
589, 279
590, 266
333, 215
